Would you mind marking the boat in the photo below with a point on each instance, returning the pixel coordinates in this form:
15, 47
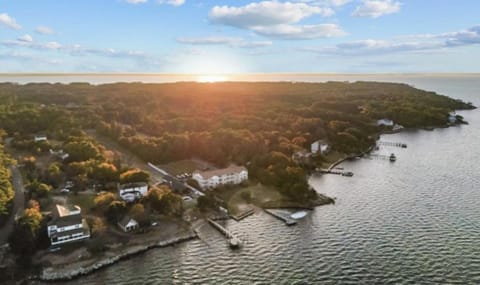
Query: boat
298, 215
392, 157
348, 174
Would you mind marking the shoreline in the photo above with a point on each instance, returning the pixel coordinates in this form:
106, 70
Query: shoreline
55, 274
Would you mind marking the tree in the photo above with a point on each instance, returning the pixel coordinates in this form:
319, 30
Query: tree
137, 212
102, 202
38, 189
25, 233
115, 211
164, 201
105, 172
98, 227
134, 175
207, 202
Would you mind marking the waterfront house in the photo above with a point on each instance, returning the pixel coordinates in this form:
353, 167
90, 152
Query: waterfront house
128, 224
385, 122
39, 138
213, 178
320, 146
452, 117
302, 156
133, 191
67, 225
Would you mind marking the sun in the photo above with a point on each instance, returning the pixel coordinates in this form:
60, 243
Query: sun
210, 78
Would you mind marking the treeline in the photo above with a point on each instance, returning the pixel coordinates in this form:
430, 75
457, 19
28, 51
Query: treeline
6, 190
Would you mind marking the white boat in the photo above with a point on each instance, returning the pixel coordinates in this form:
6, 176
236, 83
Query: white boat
298, 215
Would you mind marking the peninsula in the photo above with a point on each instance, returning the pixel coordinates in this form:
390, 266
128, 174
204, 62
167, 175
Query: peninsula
132, 166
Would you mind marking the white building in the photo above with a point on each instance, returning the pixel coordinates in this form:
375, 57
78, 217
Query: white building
385, 122
39, 138
320, 146
213, 178
67, 225
133, 191
128, 224
452, 117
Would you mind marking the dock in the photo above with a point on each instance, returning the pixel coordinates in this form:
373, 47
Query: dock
243, 215
333, 171
289, 221
395, 144
233, 241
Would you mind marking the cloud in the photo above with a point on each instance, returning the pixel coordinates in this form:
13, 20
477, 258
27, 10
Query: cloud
26, 38
266, 13
421, 43
377, 8
276, 19
172, 2
228, 41
300, 32
43, 30
136, 1
460, 38
9, 22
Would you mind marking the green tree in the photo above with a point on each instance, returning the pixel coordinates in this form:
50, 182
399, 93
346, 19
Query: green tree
134, 175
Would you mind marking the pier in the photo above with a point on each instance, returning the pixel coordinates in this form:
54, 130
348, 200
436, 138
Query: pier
390, 157
289, 221
395, 144
233, 241
333, 171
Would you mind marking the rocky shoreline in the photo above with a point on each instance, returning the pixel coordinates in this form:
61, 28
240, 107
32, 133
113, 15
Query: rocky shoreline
56, 274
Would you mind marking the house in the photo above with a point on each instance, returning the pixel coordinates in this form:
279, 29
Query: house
39, 138
213, 178
128, 224
60, 154
320, 146
385, 122
133, 191
67, 225
302, 156
452, 117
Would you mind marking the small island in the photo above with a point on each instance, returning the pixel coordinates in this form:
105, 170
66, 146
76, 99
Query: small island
92, 174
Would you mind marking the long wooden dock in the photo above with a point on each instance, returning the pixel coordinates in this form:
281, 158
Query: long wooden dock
233, 241
332, 171
395, 144
289, 221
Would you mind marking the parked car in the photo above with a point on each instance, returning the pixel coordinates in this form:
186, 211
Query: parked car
187, 198
65, 190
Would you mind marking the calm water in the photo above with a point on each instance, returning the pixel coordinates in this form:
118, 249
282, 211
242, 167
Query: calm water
415, 221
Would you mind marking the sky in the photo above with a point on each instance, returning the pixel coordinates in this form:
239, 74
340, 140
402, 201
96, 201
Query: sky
236, 36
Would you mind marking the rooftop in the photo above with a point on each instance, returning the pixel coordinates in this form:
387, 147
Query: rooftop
64, 211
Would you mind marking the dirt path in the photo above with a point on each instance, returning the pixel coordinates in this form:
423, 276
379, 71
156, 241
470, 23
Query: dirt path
18, 204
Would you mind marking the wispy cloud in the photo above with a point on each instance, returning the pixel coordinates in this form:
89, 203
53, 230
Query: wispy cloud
377, 8
422, 43
43, 30
136, 1
172, 2
9, 22
227, 41
276, 19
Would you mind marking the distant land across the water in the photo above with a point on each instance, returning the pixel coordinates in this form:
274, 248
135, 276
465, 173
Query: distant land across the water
104, 78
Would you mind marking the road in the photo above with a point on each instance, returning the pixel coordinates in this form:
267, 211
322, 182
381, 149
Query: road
18, 204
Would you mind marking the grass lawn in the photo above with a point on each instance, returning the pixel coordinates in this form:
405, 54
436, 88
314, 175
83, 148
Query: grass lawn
237, 197
331, 158
181, 166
